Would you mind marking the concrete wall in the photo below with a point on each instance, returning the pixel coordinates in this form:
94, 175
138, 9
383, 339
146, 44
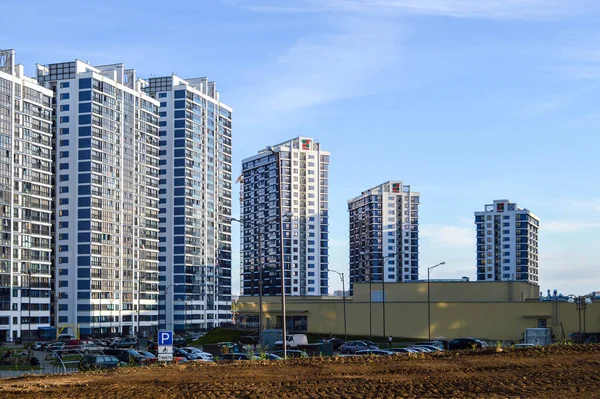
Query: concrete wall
488, 319
455, 291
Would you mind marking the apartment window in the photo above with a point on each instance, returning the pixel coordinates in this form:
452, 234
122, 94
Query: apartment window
64, 130
64, 107
64, 178
64, 119
64, 96
64, 154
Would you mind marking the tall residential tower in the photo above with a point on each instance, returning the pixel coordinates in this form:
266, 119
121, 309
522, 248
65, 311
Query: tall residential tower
384, 234
507, 243
195, 203
26, 168
285, 219
106, 204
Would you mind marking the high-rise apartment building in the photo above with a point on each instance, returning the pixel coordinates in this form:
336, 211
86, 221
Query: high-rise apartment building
285, 219
25, 202
384, 234
507, 243
195, 203
106, 204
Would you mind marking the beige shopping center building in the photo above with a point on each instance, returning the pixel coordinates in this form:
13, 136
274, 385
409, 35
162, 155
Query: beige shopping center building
487, 310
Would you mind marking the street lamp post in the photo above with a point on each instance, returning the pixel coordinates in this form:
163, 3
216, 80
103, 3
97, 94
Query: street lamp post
581, 302
166, 290
343, 299
370, 298
140, 277
216, 291
100, 314
383, 260
184, 313
27, 273
429, 269
261, 229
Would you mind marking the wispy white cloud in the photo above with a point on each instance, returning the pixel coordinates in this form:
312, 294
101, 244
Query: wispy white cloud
569, 226
346, 61
498, 9
448, 236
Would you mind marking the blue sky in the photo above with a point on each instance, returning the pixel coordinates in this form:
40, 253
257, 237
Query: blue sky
466, 100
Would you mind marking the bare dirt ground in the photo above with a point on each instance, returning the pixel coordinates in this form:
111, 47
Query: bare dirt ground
556, 372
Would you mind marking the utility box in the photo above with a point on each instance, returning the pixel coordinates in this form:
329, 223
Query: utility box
538, 336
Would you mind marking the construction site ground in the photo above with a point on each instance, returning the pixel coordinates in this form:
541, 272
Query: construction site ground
551, 372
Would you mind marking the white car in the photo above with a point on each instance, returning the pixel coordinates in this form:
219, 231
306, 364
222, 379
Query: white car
198, 354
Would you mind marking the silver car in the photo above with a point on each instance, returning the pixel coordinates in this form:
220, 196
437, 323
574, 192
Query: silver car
355, 346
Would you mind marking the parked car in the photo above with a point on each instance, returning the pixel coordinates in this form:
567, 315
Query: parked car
153, 347
187, 354
438, 344
128, 342
205, 356
66, 337
336, 343
466, 343
292, 353
150, 358
401, 350
523, 345
88, 347
37, 346
179, 341
128, 356
99, 362
268, 356
375, 352
292, 341
54, 346
236, 356
355, 346
430, 347
419, 349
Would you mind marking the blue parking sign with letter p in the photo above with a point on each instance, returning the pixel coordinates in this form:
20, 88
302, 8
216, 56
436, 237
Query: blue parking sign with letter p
165, 338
